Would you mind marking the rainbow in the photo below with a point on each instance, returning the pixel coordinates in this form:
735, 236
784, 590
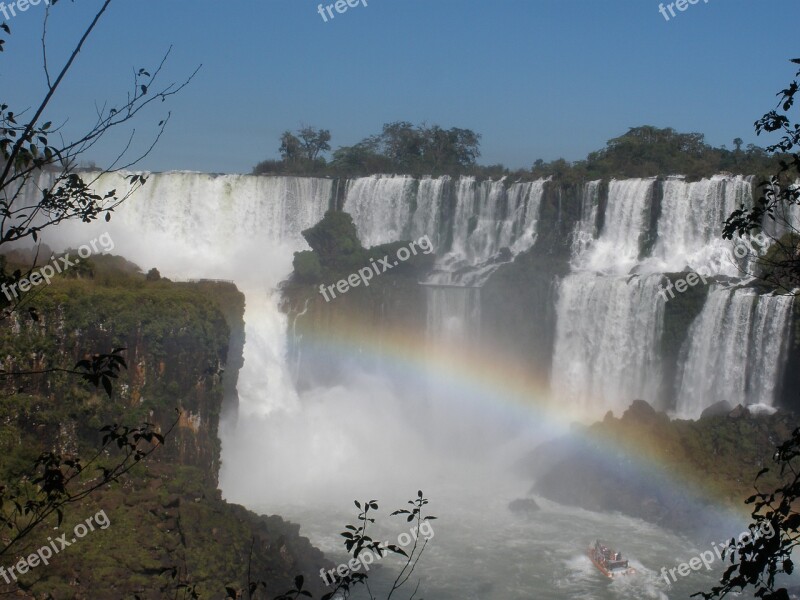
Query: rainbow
494, 384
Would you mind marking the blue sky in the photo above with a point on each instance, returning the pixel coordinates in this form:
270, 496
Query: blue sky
537, 78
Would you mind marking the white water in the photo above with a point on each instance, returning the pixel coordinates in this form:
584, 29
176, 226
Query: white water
607, 334
690, 227
487, 217
734, 350
609, 325
454, 313
381, 207
361, 439
481, 551
608, 329
231, 227
619, 245
586, 229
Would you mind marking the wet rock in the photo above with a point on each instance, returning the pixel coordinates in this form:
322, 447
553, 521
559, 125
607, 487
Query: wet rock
523, 506
718, 409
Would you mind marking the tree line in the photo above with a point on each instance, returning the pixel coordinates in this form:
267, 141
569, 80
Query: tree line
42, 492
402, 147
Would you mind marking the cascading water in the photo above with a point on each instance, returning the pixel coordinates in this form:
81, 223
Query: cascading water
489, 219
735, 350
690, 227
607, 335
786, 216
491, 222
427, 218
233, 227
454, 313
381, 207
203, 226
608, 323
586, 229
359, 439
488, 216
619, 245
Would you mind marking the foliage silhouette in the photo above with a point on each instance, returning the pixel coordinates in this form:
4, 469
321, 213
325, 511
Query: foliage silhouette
40, 187
757, 563
778, 201
357, 540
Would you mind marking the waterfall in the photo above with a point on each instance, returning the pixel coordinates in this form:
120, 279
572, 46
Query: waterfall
381, 207
607, 335
609, 315
427, 218
489, 219
787, 216
586, 229
735, 350
768, 346
608, 325
234, 227
619, 246
690, 226
454, 313
491, 223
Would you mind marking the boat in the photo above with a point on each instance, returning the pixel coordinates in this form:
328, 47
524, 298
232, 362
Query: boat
609, 562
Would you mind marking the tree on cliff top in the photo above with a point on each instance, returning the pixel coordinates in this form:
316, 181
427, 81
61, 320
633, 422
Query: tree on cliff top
418, 149
335, 236
301, 152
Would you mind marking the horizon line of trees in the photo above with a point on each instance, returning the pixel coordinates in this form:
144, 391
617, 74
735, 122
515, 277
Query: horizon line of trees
418, 150
400, 147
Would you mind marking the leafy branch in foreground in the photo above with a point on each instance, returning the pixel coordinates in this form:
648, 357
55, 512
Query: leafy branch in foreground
758, 562
776, 209
55, 480
98, 370
358, 541
39, 184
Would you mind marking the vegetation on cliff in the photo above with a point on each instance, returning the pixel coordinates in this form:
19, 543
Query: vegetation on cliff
394, 301
402, 147
719, 455
336, 252
168, 512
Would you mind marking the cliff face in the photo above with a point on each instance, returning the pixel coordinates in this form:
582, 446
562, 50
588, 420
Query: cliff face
673, 473
176, 342
183, 349
518, 313
393, 303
